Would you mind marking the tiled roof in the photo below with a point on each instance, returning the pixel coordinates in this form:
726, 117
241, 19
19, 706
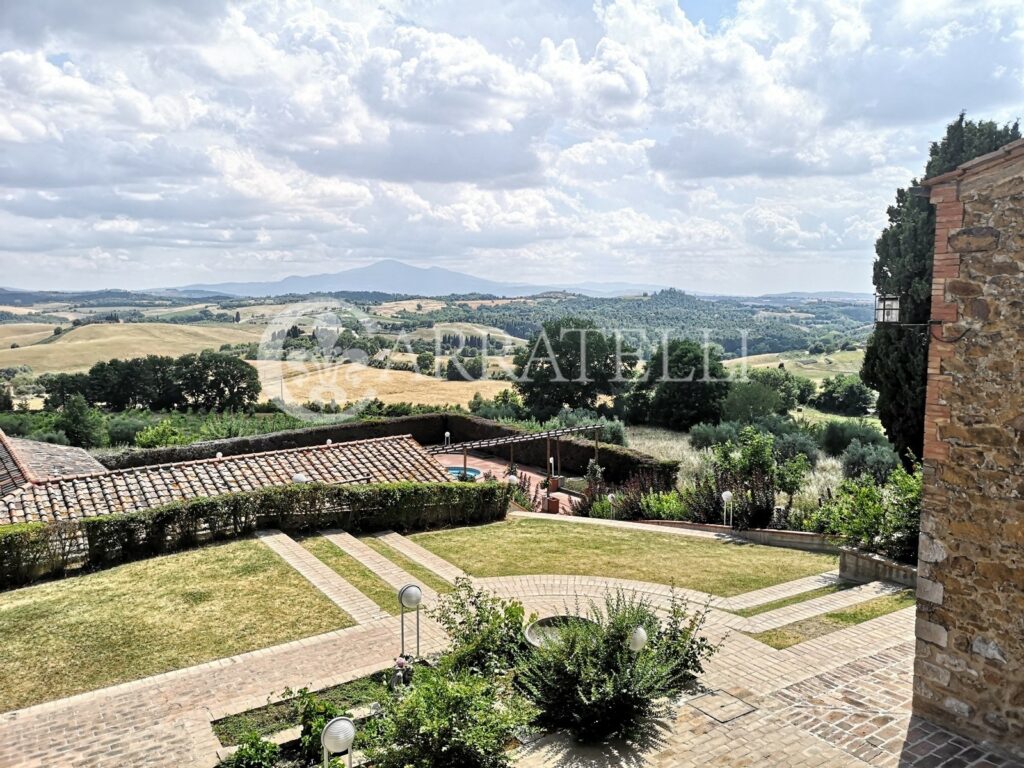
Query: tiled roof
387, 459
45, 461
13, 472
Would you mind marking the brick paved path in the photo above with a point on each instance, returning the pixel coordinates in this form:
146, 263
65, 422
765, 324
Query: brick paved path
838, 700
353, 602
380, 565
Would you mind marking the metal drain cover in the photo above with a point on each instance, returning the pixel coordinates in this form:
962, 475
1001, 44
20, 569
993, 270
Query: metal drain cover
721, 706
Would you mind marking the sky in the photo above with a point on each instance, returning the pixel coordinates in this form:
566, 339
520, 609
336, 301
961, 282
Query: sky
739, 148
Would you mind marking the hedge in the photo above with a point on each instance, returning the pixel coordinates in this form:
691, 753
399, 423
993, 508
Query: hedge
31, 551
620, 464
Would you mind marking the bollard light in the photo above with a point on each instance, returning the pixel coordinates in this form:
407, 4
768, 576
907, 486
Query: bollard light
337, 738
638, 640
409, 598
300, 477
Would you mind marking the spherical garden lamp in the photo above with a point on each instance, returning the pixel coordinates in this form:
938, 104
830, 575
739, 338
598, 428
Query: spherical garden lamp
300, 478
638, 640
337, 738
409, 598
726, 506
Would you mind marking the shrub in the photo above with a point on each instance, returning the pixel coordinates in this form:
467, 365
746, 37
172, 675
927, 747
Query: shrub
83, 425
253, 752
55, 437
123, 429
837, 436
588, 680
159, 435
846, 395
883, 519
24, 549
796, 444
750, 400
486, 632
313, 713
667, 505
446, 720
876, 461
710, 435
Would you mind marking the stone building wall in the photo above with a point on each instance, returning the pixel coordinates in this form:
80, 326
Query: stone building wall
969, 673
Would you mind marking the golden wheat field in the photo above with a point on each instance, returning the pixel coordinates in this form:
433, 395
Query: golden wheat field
79, 348
352, 382
392, 308
23, 333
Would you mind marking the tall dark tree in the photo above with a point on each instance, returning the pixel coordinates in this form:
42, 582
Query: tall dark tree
896, 362
684, 384
570, 363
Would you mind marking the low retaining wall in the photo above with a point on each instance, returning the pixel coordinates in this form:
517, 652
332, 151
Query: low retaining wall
770, 537
855, 565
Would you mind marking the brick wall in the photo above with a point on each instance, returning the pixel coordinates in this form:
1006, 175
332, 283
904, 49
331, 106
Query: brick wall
969, 672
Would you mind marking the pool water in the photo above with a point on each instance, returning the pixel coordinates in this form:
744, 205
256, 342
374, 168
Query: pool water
458, 471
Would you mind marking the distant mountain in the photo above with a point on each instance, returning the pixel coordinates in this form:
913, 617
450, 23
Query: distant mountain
397, 277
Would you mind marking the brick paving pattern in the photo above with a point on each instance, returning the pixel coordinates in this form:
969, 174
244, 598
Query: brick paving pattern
421, 556
838, 700
380, 565
353, 602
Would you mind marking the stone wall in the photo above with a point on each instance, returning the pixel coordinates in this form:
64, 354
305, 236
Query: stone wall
969, 673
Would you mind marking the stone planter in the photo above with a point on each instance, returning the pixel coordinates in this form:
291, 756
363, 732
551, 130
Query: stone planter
552, 505
555, 483
855, 565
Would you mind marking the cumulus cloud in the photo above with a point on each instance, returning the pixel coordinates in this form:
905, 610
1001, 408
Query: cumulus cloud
632, 139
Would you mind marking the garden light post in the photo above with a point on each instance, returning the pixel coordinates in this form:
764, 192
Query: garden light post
727, 507
337, 737
409, 597
638, 639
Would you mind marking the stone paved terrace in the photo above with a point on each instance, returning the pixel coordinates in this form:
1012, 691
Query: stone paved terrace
839, 700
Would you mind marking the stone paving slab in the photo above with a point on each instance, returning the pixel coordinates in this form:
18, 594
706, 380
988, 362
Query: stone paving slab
422, 556
353, 602
380, 565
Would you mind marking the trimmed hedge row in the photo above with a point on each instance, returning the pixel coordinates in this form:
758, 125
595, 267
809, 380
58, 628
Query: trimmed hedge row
620, 464
31, 551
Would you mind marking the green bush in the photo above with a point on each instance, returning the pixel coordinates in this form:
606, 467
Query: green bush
666, 505
486, 633
313, 713
123, 429
837, 436
160, 435
876, 461
446, 719
589, 682
797, 444
876, 518
748, 401
24, 551
846, 395
253, 752
710, 435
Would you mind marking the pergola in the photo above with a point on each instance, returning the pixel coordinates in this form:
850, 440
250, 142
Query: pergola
526, 437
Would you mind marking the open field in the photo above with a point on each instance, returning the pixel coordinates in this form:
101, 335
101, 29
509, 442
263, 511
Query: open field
417, 306
23, 333
152, 616
79, 348
352, 382
814, 367
466, 329
519, 547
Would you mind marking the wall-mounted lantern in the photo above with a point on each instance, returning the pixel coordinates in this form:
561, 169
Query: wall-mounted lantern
887, 309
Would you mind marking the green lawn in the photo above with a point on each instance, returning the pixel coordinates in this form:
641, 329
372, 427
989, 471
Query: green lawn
799, 631
354, 572
152, 616
552, 547
414, 569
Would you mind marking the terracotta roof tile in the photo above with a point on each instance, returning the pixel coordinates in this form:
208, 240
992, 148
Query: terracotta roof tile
387, 459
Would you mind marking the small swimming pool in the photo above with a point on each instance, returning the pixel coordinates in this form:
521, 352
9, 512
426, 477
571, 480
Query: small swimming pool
457, 472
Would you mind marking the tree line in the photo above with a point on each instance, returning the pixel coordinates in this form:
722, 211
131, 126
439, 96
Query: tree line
209, 381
